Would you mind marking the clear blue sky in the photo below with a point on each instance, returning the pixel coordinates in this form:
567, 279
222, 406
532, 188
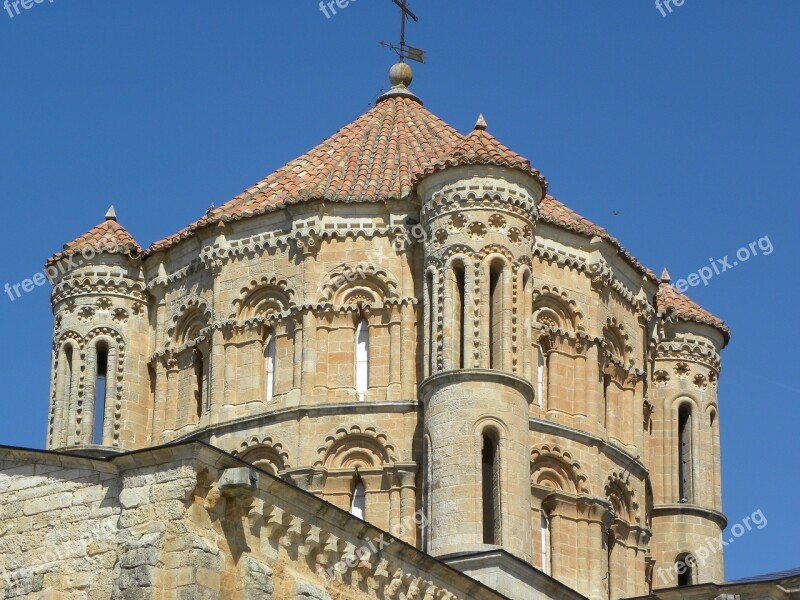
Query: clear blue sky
686, 125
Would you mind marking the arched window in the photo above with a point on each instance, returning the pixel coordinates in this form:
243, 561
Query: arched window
362, 358
490, 481
270, 353
358, 504
540, 366
459, 314
685, 459
101, 357
684, 567
199, 368
67, 391
496, 315
546, 543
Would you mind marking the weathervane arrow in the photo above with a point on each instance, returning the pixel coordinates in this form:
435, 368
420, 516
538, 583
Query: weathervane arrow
405, 51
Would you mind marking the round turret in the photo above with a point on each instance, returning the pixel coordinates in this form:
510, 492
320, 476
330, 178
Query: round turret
100, 330
686, 478
479, 215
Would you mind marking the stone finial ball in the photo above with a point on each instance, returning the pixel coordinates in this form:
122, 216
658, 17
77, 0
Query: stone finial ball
401, 74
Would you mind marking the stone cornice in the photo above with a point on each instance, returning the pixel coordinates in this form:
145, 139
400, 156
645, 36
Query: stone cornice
688, 349
98, 283
296, 413
693, 510
305, 236
599, 272
618, 455
470, 375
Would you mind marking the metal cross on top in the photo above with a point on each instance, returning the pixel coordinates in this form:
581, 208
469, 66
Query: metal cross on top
404, 50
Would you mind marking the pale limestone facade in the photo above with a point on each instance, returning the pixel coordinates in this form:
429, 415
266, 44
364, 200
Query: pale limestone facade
519, 382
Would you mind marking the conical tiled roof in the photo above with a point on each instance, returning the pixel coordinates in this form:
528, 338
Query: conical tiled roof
373, 159
481, 148
382, 155
109, 236
674, 303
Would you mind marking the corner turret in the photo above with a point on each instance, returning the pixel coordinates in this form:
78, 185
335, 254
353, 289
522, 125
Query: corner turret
100, 341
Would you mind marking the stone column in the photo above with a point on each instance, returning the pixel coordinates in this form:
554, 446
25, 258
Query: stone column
58, 427
296, 323
408, 504
565, 540
394, 505
309, 364
507, 319
172, 398
593, 392
408, 352
594, 518
321, 377
396, 352
160, 404
580, 407
216, 369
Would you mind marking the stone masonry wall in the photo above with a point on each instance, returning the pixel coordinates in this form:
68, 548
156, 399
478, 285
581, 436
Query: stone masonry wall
158, 524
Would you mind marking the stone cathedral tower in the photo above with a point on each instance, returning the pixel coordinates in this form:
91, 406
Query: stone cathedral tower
404, 324
479, 208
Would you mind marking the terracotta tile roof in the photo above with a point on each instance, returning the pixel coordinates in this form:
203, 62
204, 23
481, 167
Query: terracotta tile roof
108, 236
556, 213
375, 158
668, 299
481, 148
672, 302
381, 156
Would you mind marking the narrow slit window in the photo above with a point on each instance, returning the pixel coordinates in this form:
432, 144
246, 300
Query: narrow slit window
546, 544
270, 355
198, 383
490, 476
496, 316
683, 567
459, 314
101, 355
358, 503
362, 358
606, 392
540, 377
685, 460
151, 374
431, 326
67, 392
